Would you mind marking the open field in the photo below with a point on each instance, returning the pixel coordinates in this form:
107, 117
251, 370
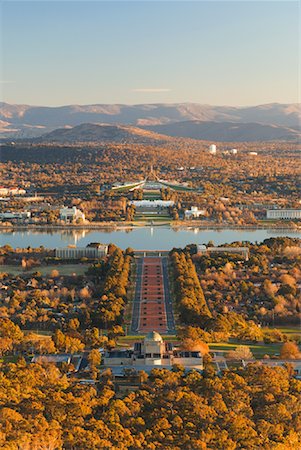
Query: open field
152, 218
177, 187
151, 195
9, 359
40, 334
290, 331
63, 269
258, 350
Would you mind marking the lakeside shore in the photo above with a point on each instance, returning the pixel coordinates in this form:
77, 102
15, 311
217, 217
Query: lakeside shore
180, 225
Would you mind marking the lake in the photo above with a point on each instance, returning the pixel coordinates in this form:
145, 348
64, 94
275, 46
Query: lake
144, 238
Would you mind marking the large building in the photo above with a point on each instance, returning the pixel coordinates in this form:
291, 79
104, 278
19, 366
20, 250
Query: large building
212, 149
15, 215
203, 250
152, 203
71, 214
152, 353
284, 214
11, 191
194, 213
82, 252
59, 359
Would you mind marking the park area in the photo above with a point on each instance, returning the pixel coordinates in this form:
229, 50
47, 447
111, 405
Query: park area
62, 269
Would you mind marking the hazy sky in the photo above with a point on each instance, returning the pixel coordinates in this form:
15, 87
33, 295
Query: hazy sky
215, 52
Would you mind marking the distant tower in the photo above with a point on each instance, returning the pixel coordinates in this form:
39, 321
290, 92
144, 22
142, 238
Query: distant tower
152, 176
212, 149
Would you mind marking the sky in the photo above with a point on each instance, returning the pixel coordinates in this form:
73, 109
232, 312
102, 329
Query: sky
211, 52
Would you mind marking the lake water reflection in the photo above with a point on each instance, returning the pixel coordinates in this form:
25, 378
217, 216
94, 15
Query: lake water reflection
146, 238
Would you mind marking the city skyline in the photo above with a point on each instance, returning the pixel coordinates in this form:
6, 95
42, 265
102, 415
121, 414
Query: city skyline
219, 53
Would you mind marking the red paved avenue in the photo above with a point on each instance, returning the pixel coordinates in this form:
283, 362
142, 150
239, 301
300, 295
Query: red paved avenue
152, 314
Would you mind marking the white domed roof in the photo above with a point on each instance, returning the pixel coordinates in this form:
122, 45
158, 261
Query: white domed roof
153, 336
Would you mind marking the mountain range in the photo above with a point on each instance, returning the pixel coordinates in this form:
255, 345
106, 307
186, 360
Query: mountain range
263, 122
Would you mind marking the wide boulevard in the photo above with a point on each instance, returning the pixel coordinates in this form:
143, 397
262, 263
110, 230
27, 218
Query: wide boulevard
152, 306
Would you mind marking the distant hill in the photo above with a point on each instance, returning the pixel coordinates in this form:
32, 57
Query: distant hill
90, 132
227, 131
210, 131
21, 121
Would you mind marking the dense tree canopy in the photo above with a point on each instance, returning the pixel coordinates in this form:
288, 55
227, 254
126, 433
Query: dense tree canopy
245, 409
190, 300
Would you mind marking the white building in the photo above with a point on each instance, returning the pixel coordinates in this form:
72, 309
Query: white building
233, 151
152, 203
12, 191
71, 214
203, 250
16, 191
81, 252
212, 149
194, 213
3, 191
284, 214
152, 352
128, 185
17, 215
59, 359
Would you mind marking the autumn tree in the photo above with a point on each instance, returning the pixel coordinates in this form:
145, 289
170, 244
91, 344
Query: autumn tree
290, 350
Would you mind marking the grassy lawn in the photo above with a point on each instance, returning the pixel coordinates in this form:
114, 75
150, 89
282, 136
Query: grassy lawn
267, 221
66, 269
151, 195
258, 350
9, 359
151, 216
14, 270
63, 269
182, 188
293, 330
40, 334
140, 218
177, 187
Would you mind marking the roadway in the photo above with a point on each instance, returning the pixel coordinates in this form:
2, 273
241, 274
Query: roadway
152, 304
137, 297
